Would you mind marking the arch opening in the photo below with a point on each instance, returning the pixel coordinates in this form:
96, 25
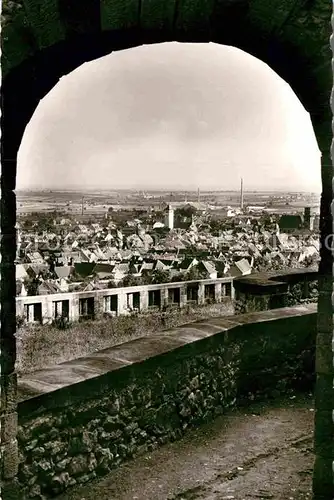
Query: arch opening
33, 37
168, 124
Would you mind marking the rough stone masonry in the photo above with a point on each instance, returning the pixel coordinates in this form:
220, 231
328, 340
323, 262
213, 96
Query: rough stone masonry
134, 397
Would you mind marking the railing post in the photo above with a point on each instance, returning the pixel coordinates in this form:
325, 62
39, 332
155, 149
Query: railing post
183, 295
74, 308
201, 294
143, 300
218, 293
164, 297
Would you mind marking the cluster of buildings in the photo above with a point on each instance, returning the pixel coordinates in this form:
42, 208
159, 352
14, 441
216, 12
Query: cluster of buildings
183, 243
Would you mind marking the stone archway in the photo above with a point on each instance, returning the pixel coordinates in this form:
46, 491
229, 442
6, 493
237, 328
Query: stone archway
42, 41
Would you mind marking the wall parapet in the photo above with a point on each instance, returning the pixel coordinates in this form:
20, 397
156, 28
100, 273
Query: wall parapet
118, 301
84, 417
270, 290
258, 291
270, 278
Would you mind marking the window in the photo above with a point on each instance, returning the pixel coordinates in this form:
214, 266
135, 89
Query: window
86, 308
209, 293
192, 293
174, 296
228, 289
111, 303
154, 299
136, 300
33, 313
61, 309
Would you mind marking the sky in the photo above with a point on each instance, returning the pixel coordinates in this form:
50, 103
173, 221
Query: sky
174, 116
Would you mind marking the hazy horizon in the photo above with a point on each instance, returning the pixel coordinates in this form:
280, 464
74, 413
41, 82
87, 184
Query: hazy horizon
159, 189
171, 116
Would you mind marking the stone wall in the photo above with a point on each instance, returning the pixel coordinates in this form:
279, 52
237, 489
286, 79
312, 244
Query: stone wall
264, 291
80, 419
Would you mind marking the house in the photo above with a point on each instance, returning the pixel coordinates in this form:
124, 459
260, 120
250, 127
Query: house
158, 225
63, 284
207, 269
240, 268
112, 253
84, 269
36, 270
134, 241
20, 289
48, 288
35, 258
89, 287
120, 271
108, 238
103, 271
163, 266
307, 252
187, 264
87, 256
20, 272
68, 257
63, 272
146, 267
99, 254
147, 240
63, 277
253, 250
126, 255
222, 268
198, 206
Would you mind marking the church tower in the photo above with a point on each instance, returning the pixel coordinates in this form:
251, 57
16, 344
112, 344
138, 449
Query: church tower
170, 217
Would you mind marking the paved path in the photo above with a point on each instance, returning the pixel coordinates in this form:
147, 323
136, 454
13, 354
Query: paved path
261, 452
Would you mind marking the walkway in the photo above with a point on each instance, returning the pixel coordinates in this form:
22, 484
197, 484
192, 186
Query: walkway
264, 451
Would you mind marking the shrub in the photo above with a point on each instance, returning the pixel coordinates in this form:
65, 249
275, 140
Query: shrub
61, 323
20, 321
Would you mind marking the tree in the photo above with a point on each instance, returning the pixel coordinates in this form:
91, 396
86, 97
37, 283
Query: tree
146, 277
31, 285
188, 211
178, 277
112, 284
193, 274
160, 277
27, 224
131, 280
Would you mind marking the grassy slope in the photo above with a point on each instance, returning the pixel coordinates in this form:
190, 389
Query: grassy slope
42, 346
